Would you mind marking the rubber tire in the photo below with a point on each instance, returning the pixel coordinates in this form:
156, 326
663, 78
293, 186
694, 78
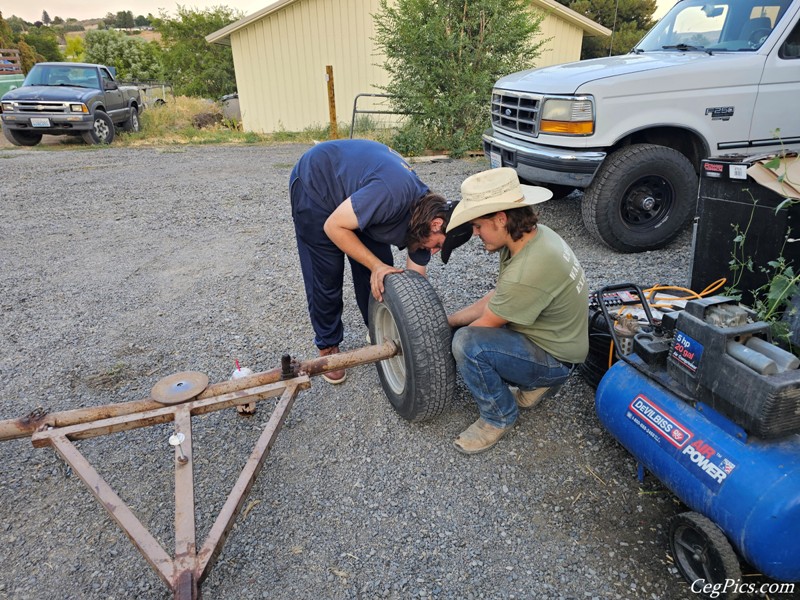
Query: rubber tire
102, 131
132, 125
421, 380
22, 138
658, 172
690, 532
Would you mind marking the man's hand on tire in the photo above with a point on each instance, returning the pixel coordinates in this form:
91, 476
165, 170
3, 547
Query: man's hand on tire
377, 276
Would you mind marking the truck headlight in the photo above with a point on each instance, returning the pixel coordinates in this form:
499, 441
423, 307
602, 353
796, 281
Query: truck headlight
8, 106
79, 108
567, 116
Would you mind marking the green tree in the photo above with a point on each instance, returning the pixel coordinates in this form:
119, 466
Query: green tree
141, 21
6, 35
108, 22
124, 19
58, 21
74, 49
195, 67
17, 25
629, 19
444, 56
45, 18
45, 41
28, 55
132, 57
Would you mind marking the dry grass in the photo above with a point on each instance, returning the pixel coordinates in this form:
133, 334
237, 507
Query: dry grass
174, 123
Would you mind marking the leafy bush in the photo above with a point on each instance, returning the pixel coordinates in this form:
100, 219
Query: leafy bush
133, 58
444, 56
195, 67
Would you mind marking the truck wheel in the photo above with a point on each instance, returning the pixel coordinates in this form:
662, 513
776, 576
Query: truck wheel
421, 379
22, 138
132, 125
702, 552
641, 198
102, 131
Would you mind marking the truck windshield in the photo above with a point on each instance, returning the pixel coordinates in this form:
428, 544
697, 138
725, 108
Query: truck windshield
63, 75
708, 26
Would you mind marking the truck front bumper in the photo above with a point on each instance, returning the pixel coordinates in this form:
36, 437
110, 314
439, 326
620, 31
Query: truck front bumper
48, 123
542, 164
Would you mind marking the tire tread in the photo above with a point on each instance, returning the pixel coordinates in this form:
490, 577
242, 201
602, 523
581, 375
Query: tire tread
417, 309
595, 205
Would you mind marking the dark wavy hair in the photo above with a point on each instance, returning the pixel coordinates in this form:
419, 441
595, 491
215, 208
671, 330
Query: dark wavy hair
519, 221
423, 211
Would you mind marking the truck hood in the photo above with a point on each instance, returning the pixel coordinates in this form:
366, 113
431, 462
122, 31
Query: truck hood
569, 77
50, 93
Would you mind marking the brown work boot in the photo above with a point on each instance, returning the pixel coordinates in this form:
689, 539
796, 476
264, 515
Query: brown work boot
479, 437
529, 399
333, 377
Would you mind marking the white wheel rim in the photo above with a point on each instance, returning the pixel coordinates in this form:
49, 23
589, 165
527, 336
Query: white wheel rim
101, 129
394, 369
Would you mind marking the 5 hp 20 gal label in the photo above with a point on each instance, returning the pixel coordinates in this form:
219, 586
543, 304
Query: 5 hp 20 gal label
686, 352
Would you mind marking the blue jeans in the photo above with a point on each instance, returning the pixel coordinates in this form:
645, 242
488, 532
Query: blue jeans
489, 359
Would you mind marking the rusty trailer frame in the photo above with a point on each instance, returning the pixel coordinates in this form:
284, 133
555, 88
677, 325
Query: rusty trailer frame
184, 572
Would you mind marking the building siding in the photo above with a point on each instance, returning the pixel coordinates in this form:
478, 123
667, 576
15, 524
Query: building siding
280, 61
564, 43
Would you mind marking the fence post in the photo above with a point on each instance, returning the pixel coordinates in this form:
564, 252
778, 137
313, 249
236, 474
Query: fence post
331, 102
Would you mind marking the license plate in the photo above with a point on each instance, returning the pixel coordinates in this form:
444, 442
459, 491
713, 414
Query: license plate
494, 160
40, 122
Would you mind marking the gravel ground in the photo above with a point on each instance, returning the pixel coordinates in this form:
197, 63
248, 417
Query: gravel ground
122, 266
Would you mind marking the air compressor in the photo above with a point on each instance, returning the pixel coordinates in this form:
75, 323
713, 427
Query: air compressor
705, 402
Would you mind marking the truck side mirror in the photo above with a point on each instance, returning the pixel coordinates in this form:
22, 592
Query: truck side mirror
110, 85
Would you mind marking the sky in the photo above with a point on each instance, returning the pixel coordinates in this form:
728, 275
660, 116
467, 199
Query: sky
31, 10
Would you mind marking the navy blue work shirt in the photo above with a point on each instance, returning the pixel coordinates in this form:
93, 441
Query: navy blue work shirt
379, 182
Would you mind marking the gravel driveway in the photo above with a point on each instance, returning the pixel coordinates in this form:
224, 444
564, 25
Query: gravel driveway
122, 266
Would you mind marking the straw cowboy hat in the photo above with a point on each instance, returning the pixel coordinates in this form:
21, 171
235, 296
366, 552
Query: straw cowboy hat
492, 191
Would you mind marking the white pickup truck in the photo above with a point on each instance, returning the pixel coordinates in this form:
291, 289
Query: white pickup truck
712, 77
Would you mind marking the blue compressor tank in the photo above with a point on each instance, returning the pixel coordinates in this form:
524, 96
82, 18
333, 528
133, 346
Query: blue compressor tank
749, 487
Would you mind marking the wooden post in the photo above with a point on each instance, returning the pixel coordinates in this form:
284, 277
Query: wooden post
331, 102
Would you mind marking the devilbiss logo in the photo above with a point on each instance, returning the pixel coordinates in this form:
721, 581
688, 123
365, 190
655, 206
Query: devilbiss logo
658, 420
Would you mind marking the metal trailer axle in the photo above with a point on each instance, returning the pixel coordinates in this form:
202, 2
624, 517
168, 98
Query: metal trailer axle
184, 573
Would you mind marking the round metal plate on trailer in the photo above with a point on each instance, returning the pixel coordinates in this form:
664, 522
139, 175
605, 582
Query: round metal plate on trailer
179, 387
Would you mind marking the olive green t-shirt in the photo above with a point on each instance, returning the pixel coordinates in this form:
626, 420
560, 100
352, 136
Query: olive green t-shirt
542, 293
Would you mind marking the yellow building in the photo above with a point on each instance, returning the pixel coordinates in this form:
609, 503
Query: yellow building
281, 52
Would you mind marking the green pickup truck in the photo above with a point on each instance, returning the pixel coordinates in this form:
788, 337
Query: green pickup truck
69, 99
11, 75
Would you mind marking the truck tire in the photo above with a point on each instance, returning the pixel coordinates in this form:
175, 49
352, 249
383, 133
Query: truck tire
419, 381
641, 198
132, 124
102, 131
22, 138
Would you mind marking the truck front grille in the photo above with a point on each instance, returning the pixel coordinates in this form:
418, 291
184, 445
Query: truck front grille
32, 107
517, 114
